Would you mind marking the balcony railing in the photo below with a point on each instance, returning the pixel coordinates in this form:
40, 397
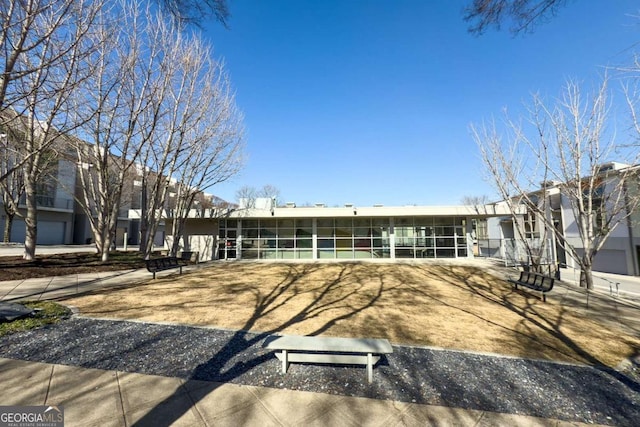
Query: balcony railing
43, 201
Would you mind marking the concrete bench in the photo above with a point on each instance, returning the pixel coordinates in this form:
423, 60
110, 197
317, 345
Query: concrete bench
348, 351
535, 281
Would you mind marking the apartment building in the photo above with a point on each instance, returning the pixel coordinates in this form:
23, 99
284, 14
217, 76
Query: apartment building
620, 253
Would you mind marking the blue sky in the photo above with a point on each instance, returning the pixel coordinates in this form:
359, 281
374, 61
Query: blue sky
370, 101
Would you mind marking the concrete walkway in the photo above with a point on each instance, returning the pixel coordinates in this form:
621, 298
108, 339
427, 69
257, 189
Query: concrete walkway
92, 397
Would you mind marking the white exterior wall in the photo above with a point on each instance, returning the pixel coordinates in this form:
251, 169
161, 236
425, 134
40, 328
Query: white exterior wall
200, 235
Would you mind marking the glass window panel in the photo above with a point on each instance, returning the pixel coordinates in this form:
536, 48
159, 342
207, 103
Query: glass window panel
304, 232
404, 253
423, 221
440, 220
268, 243
344, 253
462, 252
445, 253
344, 243
268, 254
381, 253
325, 222
268, 223
421, 242
232, 223
362, 253
404, 242
250, 233
380, 222
344, 222
249, 254
403, 231
380, 243
250, 223
304, 254
304, 243
304, 223
285, 223
444, 243
267, 232
423, 252
362, 232
380, 232
448, 231
325, 232
326, 253
362, 222
403, 221
343, 231
286, 254
285, 243
326, 243
285, 232
250, 243
362, 243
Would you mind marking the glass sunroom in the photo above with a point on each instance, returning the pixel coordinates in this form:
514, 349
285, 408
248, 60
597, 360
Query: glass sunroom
408, 237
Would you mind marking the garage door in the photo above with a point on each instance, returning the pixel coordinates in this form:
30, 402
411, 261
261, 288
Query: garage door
609, 261
49, 232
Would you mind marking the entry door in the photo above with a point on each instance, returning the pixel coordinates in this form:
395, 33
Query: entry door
228, 244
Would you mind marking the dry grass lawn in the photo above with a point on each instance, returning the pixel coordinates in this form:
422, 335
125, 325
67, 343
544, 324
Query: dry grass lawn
449, 306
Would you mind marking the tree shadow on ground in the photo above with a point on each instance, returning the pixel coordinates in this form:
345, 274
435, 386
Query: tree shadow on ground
329, 294
519, 303
529, 309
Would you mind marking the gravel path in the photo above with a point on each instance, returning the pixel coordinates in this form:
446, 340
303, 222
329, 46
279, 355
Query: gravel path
410, 374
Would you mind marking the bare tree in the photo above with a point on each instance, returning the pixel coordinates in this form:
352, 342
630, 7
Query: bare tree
567, 153
199, 138
212, 136
523, 15
40, 83
115, 106
247, 195
195, 11
12, 187
475, 200
38, 43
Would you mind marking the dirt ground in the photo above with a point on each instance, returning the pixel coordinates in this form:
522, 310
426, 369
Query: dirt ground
16, 268
448, 306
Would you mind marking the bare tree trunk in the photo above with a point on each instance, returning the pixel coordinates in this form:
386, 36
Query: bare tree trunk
8, 225
586, 275
31, 219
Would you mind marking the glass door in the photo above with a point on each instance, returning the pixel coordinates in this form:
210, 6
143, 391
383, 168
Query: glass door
227, 245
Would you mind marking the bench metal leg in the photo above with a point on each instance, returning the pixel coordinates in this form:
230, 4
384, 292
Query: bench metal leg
285, 361
370, 367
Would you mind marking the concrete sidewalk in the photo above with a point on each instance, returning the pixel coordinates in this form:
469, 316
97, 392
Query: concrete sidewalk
92, 397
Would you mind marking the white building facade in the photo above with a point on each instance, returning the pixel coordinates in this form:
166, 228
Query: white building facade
335, 233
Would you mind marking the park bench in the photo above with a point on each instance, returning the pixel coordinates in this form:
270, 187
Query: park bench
190, 256
312, 349
164, 263
536, 281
